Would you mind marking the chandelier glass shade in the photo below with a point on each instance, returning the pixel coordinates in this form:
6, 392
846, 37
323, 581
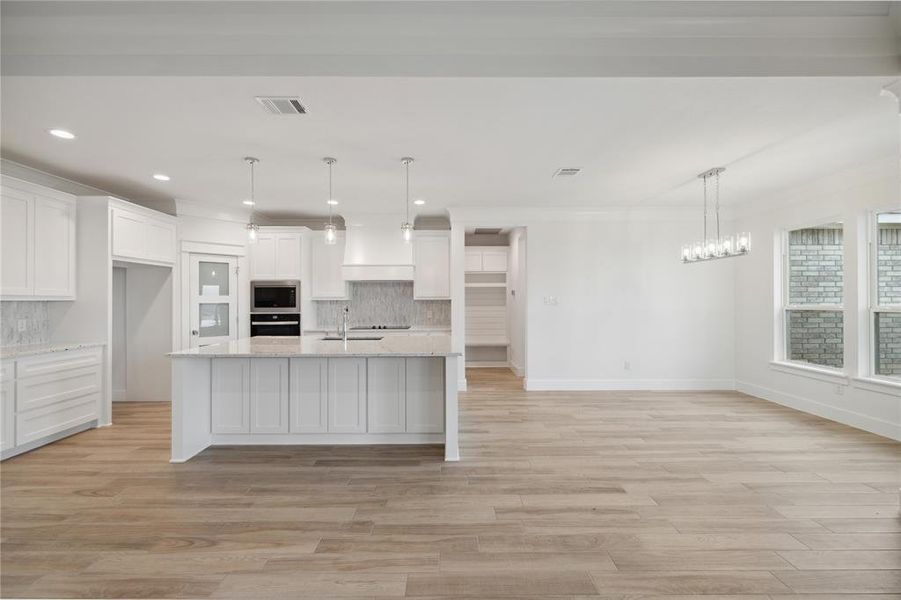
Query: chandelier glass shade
331, 230
252, 228
718, 245
406, 228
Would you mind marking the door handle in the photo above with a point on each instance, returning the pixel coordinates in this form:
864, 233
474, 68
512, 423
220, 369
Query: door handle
195, 332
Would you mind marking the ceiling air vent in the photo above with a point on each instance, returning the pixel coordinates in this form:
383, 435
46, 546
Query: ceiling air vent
567, 172
282, 105
486, 231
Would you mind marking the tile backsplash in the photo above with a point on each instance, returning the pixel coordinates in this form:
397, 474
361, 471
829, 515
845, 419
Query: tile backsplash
37, 317
384, 303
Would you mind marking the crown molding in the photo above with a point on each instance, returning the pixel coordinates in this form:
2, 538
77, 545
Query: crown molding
208, 210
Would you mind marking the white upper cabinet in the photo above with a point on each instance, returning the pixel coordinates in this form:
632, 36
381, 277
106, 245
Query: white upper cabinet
486, 259
431, 263
327, 261
275, 255
37, 243
142, 235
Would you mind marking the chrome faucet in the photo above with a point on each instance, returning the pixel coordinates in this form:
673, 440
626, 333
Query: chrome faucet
344, 330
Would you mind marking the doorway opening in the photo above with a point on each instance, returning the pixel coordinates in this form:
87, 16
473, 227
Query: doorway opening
495, 294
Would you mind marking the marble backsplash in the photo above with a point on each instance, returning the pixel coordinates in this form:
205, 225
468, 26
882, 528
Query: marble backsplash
384, 303
37, 317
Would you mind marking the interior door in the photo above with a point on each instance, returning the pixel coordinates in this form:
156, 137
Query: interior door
214, 299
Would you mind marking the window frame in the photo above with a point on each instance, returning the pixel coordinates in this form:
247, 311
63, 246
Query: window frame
783, 354
873, 306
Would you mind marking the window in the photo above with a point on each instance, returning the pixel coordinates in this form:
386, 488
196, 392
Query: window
814, 304
886, 296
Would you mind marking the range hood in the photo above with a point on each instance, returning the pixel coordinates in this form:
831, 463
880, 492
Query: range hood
374, 249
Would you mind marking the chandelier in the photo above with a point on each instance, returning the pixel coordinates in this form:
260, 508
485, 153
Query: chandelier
720, 246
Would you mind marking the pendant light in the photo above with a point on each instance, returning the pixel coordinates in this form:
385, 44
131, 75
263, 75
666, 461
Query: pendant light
406, 227
709, 248
331, 231
252, 228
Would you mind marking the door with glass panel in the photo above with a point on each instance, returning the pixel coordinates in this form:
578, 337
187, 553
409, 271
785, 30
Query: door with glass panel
214, 299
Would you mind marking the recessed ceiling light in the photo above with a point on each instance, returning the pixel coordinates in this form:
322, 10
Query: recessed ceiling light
161, 177
332, 202
419, 202
248, 202
62, 133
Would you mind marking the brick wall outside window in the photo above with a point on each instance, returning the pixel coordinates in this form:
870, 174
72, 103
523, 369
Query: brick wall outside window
888, 289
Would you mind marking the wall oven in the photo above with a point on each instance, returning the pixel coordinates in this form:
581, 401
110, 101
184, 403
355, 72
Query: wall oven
277, 324
275, 296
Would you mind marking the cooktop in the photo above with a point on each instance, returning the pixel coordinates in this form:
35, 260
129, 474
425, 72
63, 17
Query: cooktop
362, 327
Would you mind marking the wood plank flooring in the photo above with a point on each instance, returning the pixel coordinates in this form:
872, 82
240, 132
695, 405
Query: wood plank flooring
568, 495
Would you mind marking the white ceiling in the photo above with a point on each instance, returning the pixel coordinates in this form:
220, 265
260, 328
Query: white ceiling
477, 141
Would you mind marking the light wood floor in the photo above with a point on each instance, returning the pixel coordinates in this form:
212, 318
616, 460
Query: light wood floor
623, 495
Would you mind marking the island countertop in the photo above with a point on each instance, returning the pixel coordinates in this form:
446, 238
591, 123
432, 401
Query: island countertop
315, 346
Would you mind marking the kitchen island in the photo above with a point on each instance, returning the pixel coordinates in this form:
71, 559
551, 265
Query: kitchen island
400, 389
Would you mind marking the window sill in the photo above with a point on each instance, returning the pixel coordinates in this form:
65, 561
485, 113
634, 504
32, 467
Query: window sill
811, 371
876, 384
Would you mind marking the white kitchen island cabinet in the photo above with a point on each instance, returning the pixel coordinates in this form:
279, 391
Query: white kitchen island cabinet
306, 390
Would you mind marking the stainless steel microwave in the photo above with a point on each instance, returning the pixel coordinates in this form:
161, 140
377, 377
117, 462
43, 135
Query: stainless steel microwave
275, 296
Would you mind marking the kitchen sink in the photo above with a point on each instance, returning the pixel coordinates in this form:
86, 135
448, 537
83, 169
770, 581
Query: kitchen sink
356, 338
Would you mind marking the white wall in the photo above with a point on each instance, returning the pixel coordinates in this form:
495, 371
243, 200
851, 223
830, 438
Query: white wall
623, 296
149, 333
119, 347
847, 196
516, 301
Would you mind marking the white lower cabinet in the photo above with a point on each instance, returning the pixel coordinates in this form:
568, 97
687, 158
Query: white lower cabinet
424, 385
53, 393
269, 395
230, 393
347, 395
7, 407
327, 395
309, 395
386, 391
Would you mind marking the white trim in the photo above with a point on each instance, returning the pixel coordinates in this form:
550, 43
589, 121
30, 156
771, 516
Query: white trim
319, 439
488, 364
189, 208
531, 384
142, 210
833, 413
810, 371
878, 385
190, 247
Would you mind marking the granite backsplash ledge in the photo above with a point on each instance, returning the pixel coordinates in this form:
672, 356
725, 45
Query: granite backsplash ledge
384, 303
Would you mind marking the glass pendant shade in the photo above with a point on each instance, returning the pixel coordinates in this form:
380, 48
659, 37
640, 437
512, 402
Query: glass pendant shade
743, 245
331, 234
407, 231
252, 230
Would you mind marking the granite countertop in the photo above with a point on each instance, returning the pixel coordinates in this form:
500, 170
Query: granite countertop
9, 352
309, 345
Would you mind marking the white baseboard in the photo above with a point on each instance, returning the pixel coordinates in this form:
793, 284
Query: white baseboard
488, 364
827, 411
461, 385
118, 395
591, 385
517, 369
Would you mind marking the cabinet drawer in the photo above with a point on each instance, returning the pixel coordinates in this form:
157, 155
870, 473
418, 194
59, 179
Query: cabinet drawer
47, 420
55, 388
57, 363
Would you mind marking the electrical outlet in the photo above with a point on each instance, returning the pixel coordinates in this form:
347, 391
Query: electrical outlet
550, 300
22, 325
627, 366
429, 314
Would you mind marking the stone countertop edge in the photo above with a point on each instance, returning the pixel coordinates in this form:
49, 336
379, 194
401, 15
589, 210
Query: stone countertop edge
10, 352
412, 346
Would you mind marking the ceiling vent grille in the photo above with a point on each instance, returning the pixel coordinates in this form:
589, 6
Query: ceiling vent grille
567, 172
487, 231
282, 105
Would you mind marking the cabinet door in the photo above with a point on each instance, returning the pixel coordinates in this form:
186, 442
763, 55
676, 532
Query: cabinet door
16, 242
347, 395
386, 395
54, 247
230, 391
494, 260
269, 395
287, 255
262, 257
327, 277
129, 233
7, 415
473, 261
160, 241
425, 395
431, 256
309, 395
